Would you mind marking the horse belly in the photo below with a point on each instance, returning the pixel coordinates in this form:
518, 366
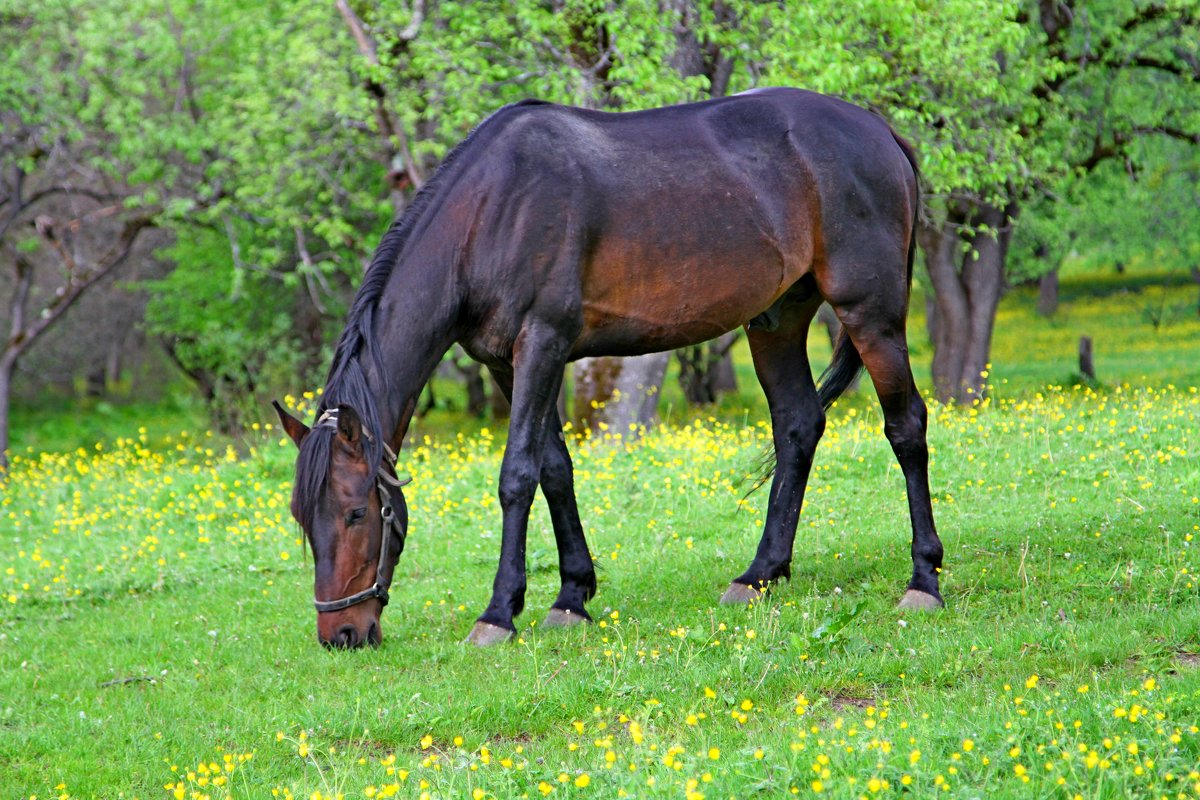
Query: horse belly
655, 293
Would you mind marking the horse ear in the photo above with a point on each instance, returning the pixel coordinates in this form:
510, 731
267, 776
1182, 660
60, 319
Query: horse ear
349, 426
293, 427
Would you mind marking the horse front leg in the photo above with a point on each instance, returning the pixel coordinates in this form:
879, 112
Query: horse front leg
797, 421
557, 479
539, 357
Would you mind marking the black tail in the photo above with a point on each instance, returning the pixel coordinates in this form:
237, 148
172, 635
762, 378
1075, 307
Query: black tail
841, 372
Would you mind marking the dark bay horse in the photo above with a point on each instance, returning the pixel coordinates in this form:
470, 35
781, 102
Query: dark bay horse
553, 233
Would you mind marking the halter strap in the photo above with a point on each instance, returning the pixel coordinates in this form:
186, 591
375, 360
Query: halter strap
390, 525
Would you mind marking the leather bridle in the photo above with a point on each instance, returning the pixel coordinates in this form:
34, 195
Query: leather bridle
385, 481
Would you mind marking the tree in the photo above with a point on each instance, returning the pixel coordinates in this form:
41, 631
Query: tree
69, 200
1095, 83
286, 141
233, 129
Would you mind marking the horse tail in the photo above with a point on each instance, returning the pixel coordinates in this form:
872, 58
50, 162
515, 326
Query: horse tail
841, 372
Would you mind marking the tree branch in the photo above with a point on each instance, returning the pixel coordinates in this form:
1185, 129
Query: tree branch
20, 297
391, 130
77, 283
1054, 26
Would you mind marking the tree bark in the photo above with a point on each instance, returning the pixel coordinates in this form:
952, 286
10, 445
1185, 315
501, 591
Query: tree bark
403, 168
706, 370
724, 376
965, 257
618, 394
501, 409
639, 380
7, 365
1087, 363
80, 277
1047, 303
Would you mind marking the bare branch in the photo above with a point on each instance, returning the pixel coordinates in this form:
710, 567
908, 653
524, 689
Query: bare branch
1102, 52
20, 297
77, 283
391, 131
310, 272
366, 45
414, 25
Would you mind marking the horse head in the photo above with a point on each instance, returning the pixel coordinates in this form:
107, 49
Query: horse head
352, 510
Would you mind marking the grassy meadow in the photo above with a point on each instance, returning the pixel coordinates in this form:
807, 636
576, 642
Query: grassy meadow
157, 638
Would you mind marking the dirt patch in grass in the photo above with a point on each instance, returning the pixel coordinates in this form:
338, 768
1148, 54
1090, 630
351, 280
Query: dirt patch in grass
840, 701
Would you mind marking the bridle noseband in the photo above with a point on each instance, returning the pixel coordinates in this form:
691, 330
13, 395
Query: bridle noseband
385, 480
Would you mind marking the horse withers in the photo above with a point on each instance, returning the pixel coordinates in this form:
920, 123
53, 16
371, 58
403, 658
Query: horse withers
554, 233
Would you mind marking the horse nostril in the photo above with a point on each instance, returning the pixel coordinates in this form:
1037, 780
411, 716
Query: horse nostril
374, 636
346, 637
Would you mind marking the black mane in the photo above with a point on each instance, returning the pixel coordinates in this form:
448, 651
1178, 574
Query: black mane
346, 383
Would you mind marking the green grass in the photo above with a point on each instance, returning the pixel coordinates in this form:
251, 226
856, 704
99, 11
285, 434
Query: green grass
155, 611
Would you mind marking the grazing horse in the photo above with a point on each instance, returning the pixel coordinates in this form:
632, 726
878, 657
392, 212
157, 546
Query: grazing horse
554, 233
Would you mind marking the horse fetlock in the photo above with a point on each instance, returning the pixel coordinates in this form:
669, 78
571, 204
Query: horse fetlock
928, 557
586, 584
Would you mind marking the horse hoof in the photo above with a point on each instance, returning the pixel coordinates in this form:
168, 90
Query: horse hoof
739, 594
919, 601
485, 634
562, 618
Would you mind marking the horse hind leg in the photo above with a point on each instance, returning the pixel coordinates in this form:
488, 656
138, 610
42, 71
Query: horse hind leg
575, 568
798, 421
875, 326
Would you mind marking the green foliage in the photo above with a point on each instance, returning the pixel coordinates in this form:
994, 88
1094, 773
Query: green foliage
225, 325
1110, 216
471, 58
937, 74
253, 133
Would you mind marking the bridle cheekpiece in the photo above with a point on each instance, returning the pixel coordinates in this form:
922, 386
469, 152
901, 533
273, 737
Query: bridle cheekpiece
385, 481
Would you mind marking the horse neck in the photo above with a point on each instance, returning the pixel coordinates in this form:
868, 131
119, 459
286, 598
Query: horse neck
414, 327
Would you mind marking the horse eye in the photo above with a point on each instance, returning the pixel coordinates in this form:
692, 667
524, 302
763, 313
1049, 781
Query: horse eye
356, 516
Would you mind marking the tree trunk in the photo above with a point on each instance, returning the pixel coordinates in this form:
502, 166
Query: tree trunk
1087, 362
1047, 302
1196, 277
965, 257
7, 365
724, 376
472, 375
500, 405
618, 394
833, 328
706, 370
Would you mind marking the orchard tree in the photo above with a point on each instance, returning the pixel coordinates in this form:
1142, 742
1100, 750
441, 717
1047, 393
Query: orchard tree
1145, 207
72, 202
234, 129
263, 270
1005, 100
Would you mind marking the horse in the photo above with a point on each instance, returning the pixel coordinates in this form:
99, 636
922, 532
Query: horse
553, 233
